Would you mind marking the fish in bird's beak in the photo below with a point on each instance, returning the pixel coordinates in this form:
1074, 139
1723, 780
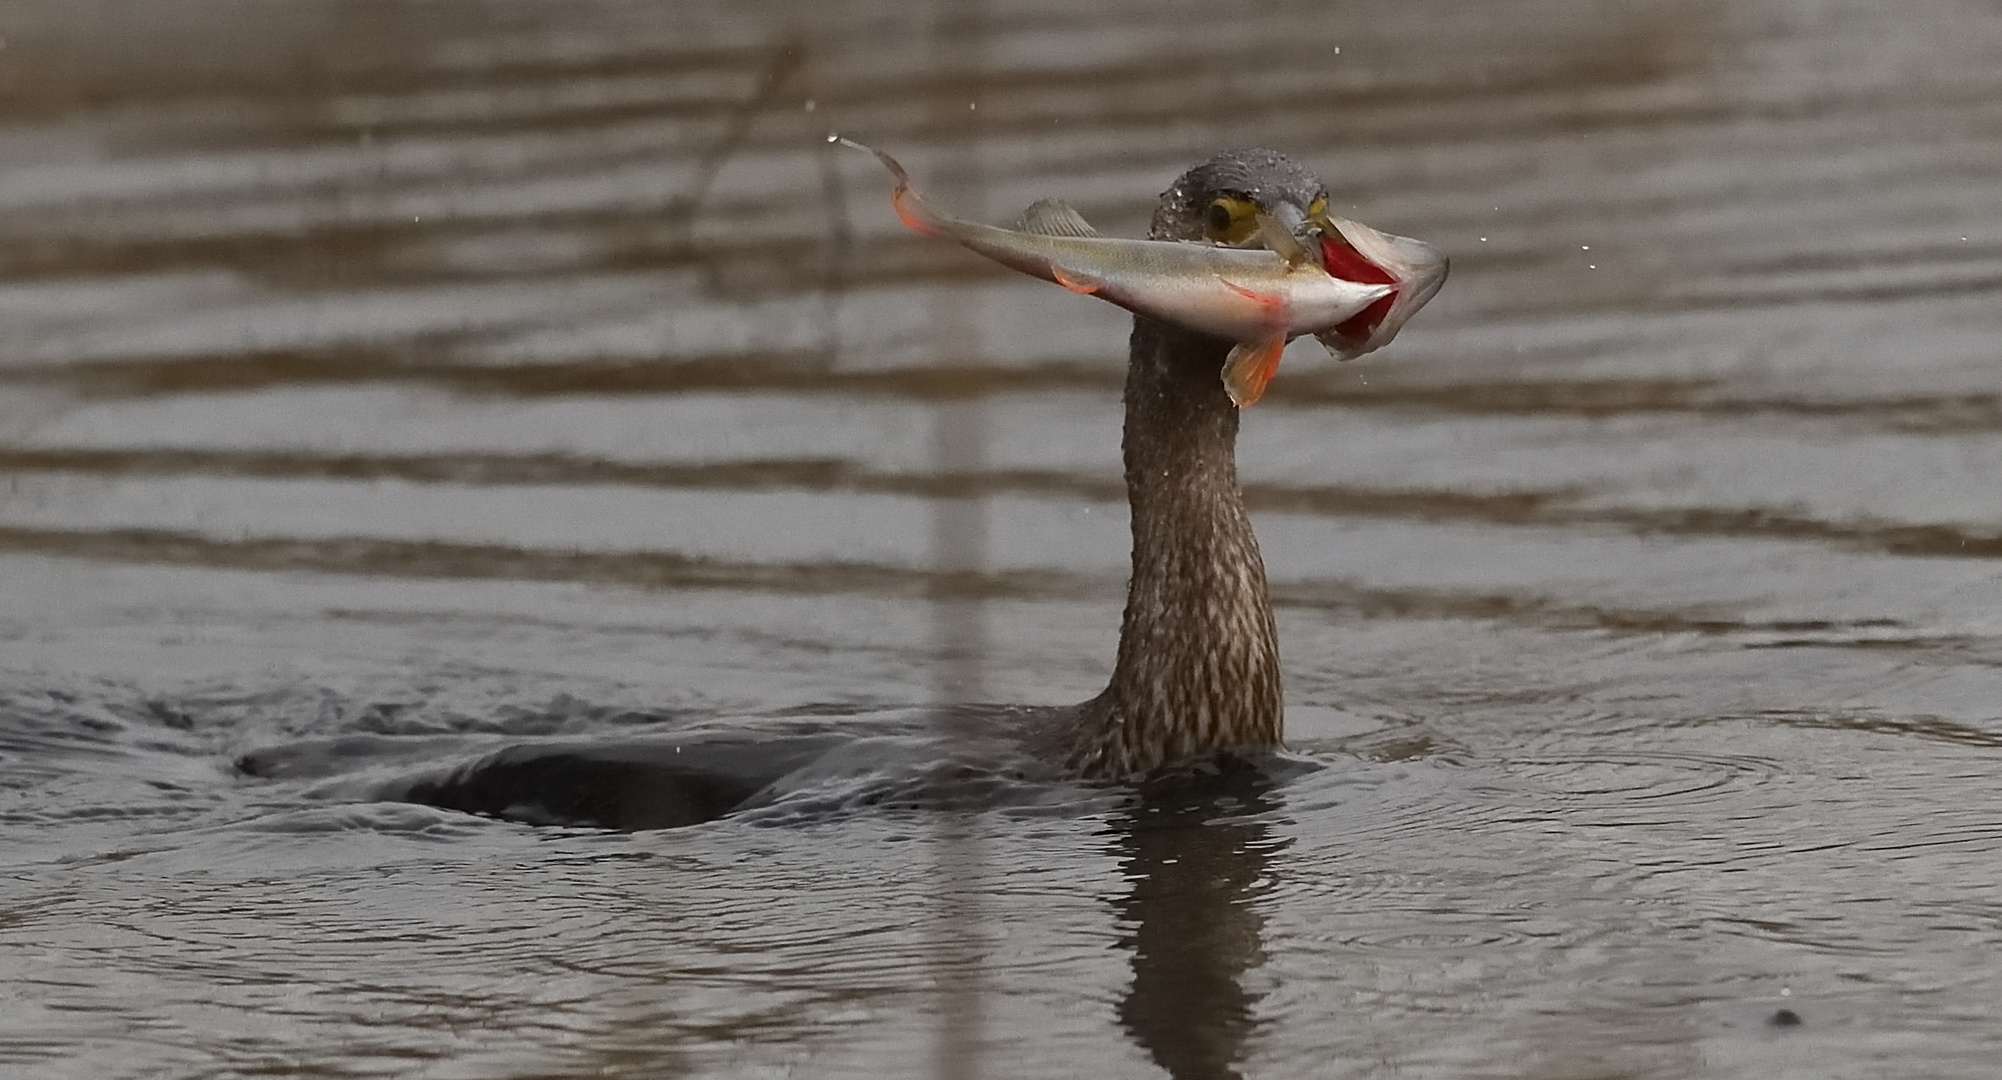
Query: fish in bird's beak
1259, 295
1355, 252
1300, 272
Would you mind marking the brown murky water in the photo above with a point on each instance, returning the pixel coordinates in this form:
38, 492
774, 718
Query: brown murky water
466, 372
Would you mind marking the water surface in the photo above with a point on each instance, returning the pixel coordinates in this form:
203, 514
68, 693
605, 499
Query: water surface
465, 374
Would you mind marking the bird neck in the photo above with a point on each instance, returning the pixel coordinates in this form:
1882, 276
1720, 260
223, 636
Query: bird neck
1198, 667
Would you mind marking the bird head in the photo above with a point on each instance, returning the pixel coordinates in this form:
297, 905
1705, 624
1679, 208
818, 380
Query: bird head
1240, 198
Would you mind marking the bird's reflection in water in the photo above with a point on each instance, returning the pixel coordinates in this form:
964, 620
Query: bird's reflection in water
1196, 858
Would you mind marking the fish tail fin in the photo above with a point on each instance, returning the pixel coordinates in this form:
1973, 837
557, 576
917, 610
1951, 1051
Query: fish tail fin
1250, 368
911, 207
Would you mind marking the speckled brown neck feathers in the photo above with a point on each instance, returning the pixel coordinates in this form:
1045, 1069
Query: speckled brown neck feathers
1198, 667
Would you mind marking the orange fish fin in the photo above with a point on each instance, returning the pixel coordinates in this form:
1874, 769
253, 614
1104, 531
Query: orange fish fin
1250, 368
1272, 309
1077, 283
911, 207
1267, 299
913, 211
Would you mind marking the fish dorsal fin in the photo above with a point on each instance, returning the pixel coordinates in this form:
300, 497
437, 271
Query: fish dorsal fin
1055, 217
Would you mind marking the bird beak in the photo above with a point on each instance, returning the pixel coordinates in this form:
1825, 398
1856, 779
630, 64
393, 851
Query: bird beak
1294, 220
1281, 232
1355, 252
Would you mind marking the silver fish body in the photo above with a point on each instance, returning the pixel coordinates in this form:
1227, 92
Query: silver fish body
1242, 294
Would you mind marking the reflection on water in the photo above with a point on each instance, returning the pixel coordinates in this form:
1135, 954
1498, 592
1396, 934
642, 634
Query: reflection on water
411, 381
1195, 855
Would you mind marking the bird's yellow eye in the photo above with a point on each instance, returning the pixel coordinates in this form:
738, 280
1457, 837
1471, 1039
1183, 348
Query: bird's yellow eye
1318, 207
1231, 220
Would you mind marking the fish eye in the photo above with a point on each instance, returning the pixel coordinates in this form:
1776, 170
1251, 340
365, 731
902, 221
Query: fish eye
1230, 220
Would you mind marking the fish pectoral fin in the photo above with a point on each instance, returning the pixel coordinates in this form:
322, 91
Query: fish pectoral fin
1250, 367
1272, 306
1262, 299
1055, 217
1279, 239
1074, 281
